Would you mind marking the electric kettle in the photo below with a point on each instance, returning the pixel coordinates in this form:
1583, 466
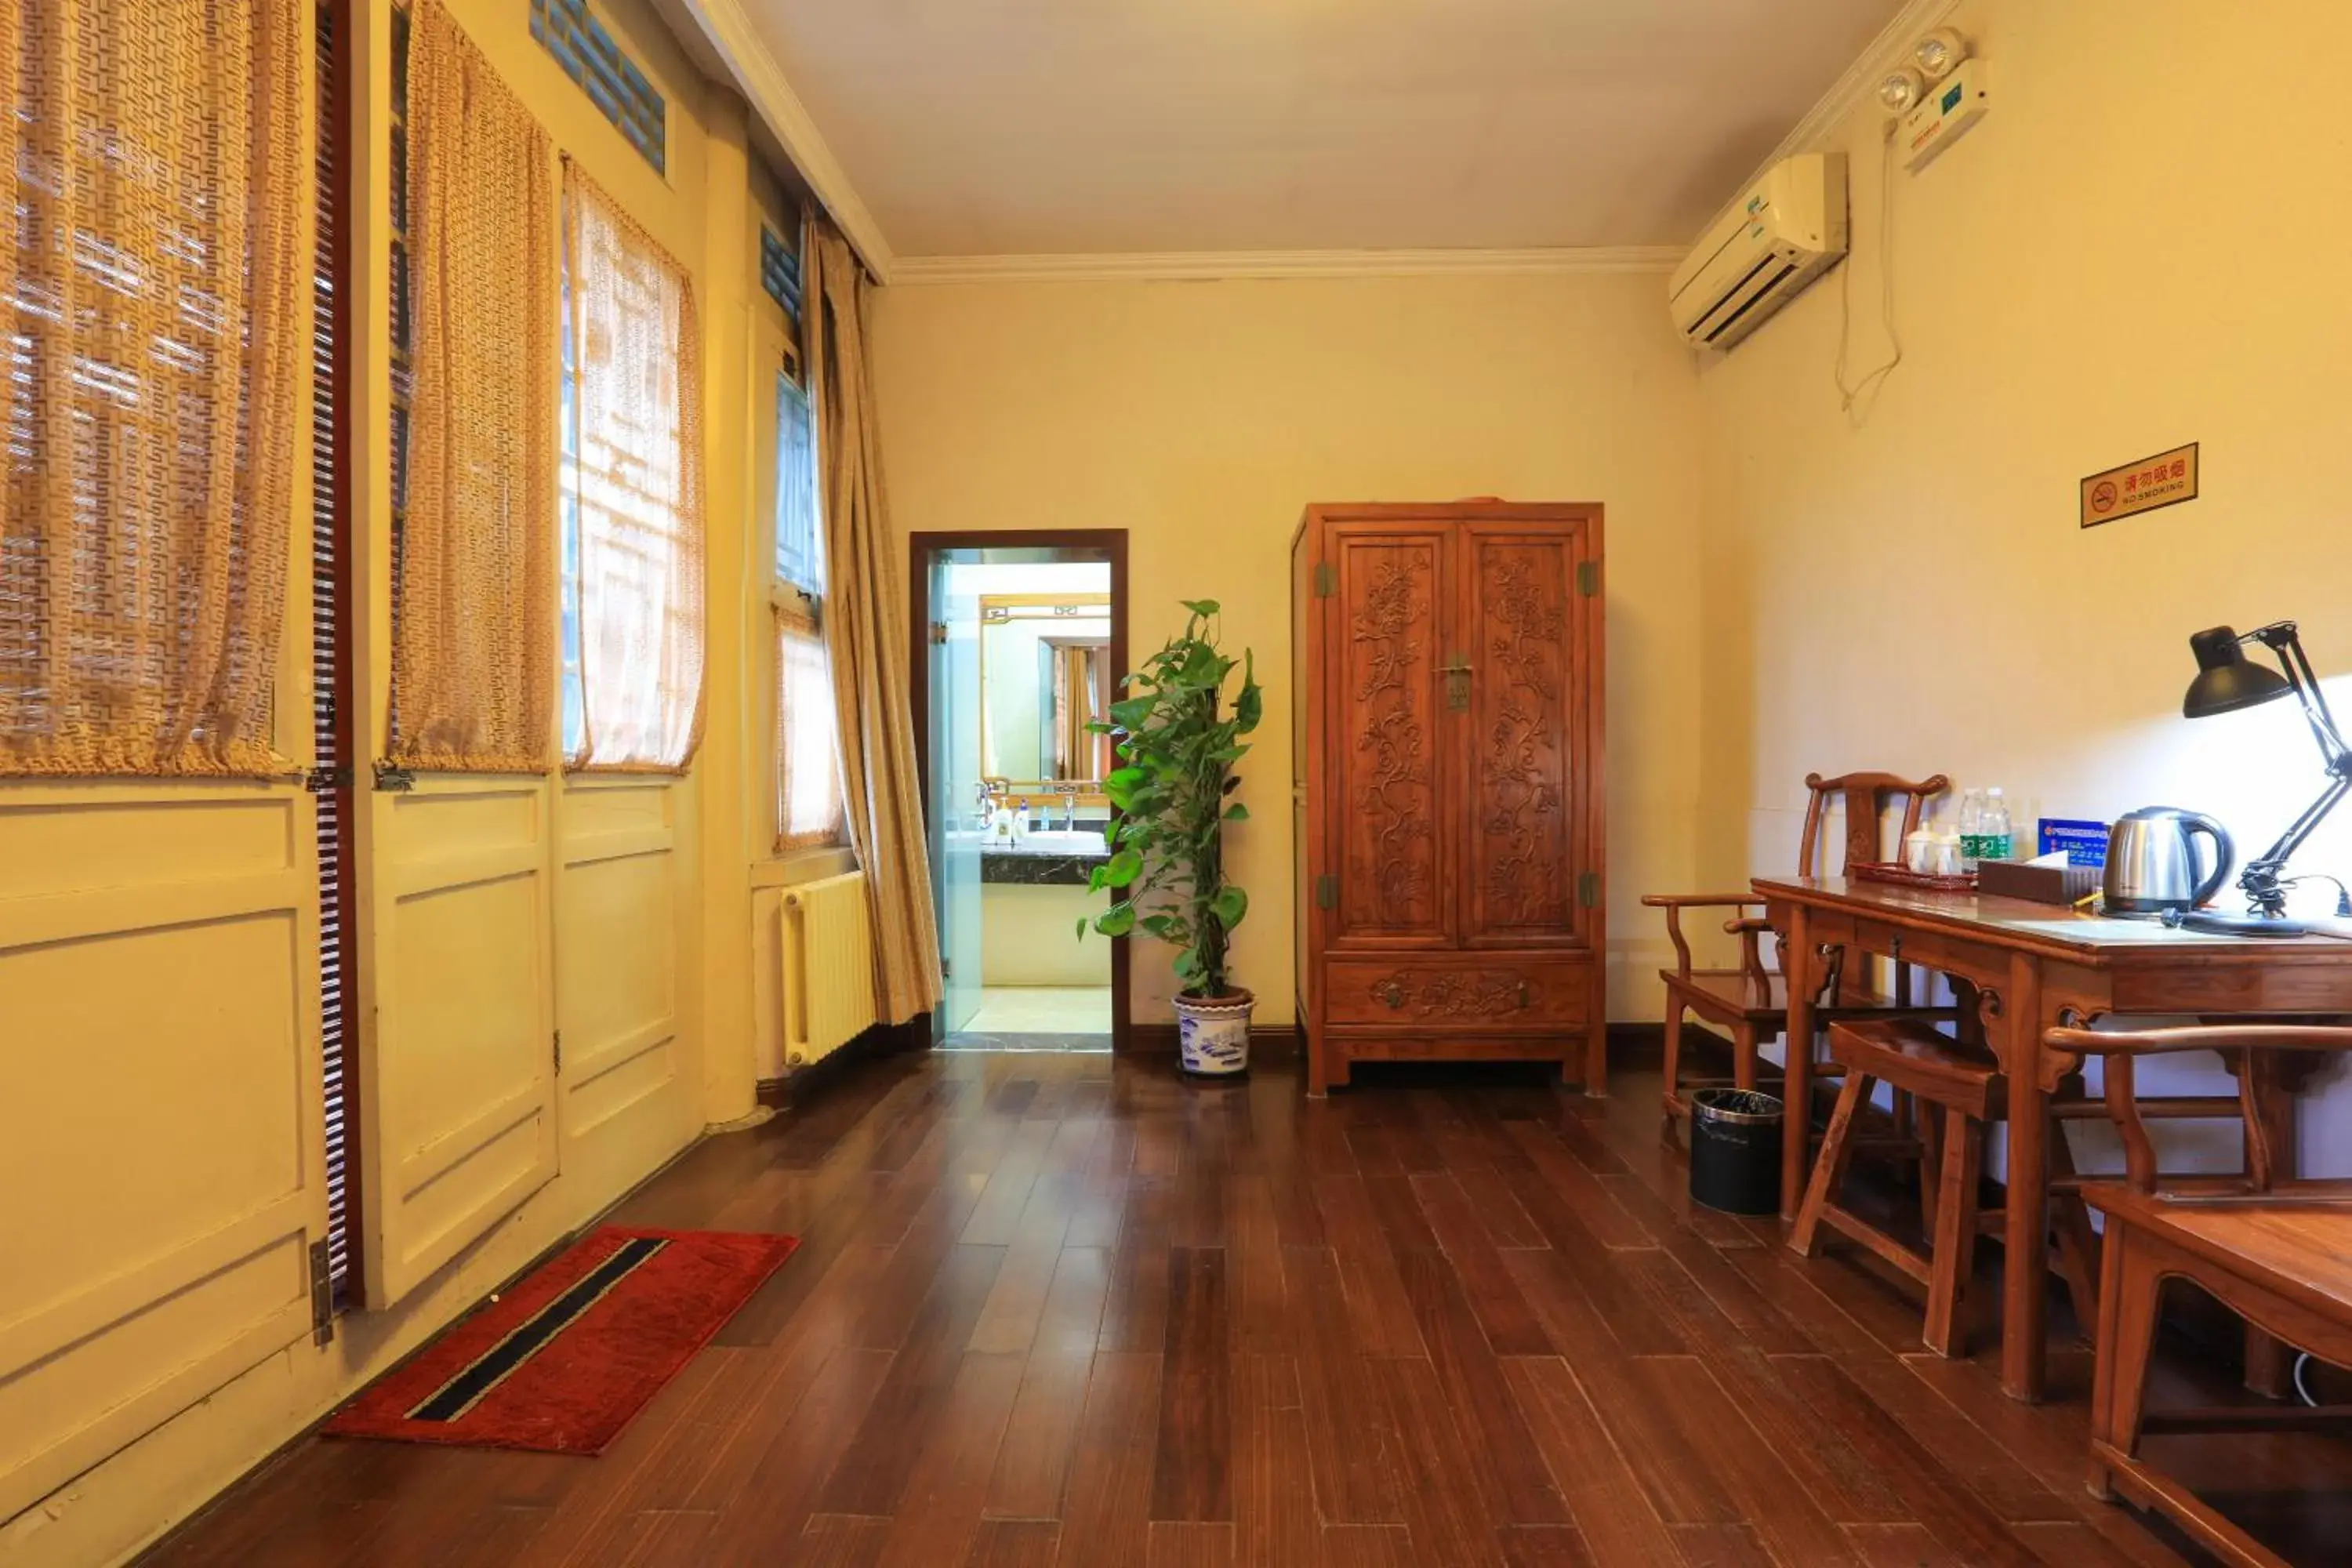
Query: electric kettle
2152, 862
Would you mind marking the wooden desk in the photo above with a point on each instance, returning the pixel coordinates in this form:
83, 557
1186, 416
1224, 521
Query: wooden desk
2034, 966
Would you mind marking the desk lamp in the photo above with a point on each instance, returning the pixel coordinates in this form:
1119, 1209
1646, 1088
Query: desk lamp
2226, 681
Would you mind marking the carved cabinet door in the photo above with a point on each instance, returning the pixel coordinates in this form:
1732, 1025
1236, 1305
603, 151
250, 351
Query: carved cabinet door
1392, 852
1519, 643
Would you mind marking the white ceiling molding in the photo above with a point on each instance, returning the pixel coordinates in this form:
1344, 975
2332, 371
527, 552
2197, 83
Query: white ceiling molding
771, 97
1859, 81
1201, 266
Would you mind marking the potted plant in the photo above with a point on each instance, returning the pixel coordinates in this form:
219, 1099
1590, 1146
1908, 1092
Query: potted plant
1177, 744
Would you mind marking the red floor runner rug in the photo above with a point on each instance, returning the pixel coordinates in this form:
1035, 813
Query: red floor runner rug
561, 1362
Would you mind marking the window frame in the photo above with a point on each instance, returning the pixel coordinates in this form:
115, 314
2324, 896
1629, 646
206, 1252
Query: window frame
795, 607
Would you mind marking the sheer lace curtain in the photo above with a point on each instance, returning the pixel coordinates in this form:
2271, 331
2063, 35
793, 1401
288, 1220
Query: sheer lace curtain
633, 487
809, 810
473, 671
155, 279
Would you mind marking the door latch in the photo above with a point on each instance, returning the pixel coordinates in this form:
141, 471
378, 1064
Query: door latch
1457, 671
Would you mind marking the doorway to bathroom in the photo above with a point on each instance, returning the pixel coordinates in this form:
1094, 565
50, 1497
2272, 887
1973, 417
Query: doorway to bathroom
1020, 640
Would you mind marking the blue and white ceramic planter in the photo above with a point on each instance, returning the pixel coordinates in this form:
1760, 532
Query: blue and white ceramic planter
1212, 1034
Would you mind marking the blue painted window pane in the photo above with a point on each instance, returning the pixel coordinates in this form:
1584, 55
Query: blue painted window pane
620, 90
779, 273
800, 535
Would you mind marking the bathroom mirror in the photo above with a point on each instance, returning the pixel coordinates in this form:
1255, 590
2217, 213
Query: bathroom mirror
1044, 675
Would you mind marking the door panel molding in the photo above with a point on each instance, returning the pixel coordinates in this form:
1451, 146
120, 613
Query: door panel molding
145, 1319
458, 950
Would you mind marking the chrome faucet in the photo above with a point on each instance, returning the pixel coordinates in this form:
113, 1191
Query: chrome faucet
1069, 794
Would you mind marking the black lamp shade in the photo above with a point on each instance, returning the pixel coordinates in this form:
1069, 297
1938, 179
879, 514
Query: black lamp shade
2226, 679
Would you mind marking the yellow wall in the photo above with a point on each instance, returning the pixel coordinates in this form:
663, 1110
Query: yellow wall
1203, 417
2128, 254
1028, 936
635, 869
2142, 245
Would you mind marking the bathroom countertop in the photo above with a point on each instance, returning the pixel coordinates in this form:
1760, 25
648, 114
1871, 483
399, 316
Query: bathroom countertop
1042, 859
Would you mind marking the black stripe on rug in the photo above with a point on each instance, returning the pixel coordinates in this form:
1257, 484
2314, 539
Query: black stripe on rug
495, 1365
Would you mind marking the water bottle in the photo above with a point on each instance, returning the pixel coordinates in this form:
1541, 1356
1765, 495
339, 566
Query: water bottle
1992, 827
1971, 826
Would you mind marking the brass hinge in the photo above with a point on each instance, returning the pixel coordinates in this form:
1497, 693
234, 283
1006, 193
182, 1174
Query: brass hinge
939, 631
1327, 892
559, 1052
393, 779
1327, 579
321, 781
1588, 578
1588, 889
323, 1294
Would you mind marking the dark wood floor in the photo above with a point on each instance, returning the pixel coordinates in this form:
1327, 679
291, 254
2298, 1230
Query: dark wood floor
1067, 1309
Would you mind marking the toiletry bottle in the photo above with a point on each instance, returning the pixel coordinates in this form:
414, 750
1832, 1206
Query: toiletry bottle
1971, 826
1021, 820
1994, 835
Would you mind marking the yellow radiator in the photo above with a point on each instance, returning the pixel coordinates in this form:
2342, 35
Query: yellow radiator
828, 965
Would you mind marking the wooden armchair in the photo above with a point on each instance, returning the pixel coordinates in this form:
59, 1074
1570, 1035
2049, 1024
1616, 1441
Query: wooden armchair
2272, 1248
1750, 1004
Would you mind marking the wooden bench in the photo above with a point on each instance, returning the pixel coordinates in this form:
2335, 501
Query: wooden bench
2276, 1252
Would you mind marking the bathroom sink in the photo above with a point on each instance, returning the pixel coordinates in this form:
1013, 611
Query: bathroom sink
1055, 841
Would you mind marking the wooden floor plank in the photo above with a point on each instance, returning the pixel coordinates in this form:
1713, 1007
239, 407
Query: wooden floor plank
872, 1472
1277, 1525
1191, 1479
1014, 1543
1076, 1310
1503, 1462
1106, 1508
1349, 1442
948, 1487
1510, 1325
1616, 1519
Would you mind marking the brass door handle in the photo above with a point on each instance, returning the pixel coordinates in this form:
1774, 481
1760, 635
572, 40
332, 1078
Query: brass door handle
1457, 681
1390, 994
1523, 995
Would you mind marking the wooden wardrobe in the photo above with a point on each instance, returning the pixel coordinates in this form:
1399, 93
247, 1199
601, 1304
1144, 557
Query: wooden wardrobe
1446, 785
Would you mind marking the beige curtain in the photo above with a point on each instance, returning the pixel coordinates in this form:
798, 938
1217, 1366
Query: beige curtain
635, 470
155, 279
473, 666
865, 630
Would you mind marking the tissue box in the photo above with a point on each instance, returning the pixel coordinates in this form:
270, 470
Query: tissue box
2042, 884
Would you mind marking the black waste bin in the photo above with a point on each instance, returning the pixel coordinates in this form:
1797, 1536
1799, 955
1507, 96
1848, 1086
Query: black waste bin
1735, 1150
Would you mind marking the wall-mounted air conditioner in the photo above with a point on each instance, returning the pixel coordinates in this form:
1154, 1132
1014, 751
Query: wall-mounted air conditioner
1784, 231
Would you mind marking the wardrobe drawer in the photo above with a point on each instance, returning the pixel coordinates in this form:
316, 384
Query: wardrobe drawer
1459, 991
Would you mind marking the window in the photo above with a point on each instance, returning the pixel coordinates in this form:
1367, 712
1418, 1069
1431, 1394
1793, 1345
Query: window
809, 808
612, 81
630, 542
153, 299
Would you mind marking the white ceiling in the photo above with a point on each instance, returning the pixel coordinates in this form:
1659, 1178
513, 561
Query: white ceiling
1084, 127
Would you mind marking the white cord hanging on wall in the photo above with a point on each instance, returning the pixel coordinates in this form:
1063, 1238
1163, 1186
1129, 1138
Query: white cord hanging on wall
1856, 401
1928, 115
